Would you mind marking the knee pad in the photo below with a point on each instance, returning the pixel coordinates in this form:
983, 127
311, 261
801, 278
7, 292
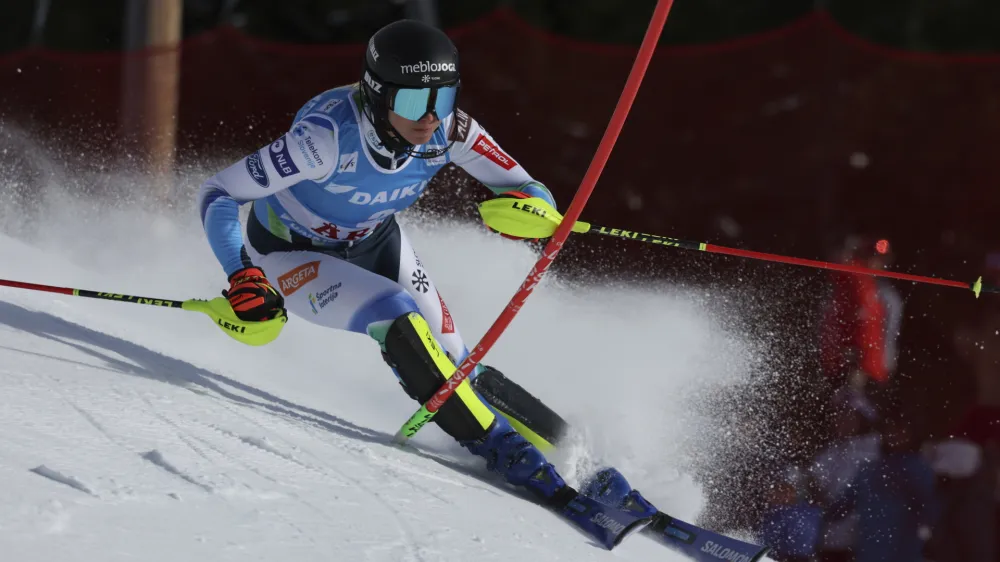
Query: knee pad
422, 366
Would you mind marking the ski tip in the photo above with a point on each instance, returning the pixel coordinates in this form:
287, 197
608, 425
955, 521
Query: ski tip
764, 551
977, 287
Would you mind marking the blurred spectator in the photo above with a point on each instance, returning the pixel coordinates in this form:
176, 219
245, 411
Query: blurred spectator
861, 323
791, 523
894, 499
967, 493
968, 462
855, 444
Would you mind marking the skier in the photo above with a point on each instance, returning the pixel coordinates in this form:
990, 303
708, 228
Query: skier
322, 240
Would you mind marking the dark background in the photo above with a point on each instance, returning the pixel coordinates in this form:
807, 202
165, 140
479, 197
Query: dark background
773, 125
919, 25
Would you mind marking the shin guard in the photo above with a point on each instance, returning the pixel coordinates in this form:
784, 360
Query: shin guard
423, 366
531, 417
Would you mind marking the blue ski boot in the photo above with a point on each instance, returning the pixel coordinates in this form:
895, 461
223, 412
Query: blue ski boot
610, 488
514, 457
522, 464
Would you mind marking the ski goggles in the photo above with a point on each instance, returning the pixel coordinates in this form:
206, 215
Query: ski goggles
414, 103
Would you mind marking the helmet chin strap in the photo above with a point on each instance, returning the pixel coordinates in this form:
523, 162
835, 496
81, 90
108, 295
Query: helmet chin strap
390, 143
398, 145
392, 140
430, 153
383, 139
383, 155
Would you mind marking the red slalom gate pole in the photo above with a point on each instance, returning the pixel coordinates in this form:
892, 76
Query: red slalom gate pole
551, 250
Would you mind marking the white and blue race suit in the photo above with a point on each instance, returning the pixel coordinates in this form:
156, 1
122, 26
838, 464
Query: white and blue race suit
322, 227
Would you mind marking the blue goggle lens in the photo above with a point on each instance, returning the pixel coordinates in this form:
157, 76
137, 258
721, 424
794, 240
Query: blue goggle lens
414, 103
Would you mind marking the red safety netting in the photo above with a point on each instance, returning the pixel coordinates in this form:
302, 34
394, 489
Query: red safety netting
741, 128
773, 141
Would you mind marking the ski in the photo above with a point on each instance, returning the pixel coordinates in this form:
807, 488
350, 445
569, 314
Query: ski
701, 544
608, 525
694, 542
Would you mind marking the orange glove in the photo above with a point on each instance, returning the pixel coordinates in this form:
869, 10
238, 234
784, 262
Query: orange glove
252, 296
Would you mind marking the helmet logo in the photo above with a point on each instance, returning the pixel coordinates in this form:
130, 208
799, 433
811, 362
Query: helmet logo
427, 66
371, 49
372, 83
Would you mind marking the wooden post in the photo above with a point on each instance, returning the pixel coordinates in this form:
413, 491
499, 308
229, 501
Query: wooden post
42, 9
150, 89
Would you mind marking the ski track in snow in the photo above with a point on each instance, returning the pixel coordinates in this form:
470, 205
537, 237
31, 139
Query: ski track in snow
121, 443
56, 476
133, 433
157, 459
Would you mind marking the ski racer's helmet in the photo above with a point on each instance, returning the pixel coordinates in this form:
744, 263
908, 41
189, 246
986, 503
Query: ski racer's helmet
410, 68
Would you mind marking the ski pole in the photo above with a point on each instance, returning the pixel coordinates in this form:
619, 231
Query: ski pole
534, 218
614, 128
218, 309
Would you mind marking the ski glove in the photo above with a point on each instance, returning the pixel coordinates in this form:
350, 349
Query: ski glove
252, 297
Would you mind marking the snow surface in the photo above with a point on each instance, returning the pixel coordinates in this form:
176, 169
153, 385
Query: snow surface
138, 433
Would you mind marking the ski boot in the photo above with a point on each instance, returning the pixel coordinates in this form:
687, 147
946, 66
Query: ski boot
507, 452
610, 488
517, 460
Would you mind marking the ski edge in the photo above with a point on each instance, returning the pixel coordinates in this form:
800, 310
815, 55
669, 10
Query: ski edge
701, 544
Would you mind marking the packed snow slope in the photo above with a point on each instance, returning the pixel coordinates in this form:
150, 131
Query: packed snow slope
139, 433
